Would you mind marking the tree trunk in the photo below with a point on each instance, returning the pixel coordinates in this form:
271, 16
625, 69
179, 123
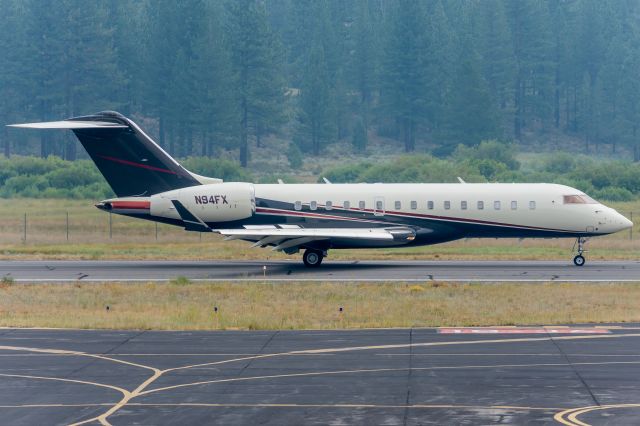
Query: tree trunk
259, 135
172, 142
44, 145
315, 143
7, 143
636, 145
203, 146
70, 152
190, 141
161, 131
409, 136
556, 105
517, 124
244, 146
574, 125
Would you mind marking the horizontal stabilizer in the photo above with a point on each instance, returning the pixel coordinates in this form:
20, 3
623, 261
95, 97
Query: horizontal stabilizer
71, 125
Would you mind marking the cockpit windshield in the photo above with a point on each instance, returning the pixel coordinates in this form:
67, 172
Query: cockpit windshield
578, 199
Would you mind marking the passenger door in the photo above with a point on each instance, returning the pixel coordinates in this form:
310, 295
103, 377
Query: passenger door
378, 206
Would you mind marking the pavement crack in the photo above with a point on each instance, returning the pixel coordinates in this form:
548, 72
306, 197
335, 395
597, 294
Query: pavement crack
575, 370
124, 342
408, 398
260, 352
95, 359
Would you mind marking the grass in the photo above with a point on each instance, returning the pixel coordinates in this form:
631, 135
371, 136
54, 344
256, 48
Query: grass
89, 238
189, 306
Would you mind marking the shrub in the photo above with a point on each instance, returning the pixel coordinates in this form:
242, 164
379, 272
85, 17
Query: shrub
294, 155
494, 150
613, 193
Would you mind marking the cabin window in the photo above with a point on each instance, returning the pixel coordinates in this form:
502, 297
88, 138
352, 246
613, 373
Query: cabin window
532, 205
414, 205
328, 205
397, 205
514, 205
447, 205
361, 205
298, 205
313, 205
496, 205
379, 206
480, 205
463, 205
430, 205
347, 205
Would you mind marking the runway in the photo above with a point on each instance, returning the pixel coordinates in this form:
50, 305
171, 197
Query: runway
392, 377
342, 271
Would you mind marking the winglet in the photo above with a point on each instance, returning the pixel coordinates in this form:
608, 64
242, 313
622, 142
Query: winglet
191, 221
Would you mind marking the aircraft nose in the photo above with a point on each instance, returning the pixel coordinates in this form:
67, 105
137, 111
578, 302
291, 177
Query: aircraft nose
623, 222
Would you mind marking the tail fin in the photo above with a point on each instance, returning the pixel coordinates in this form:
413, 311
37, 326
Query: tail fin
131, 162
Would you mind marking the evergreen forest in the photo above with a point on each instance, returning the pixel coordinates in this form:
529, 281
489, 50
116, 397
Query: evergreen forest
208, 78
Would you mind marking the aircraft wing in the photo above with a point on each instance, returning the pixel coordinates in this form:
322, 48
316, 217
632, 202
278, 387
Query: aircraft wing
283, 237
290, 237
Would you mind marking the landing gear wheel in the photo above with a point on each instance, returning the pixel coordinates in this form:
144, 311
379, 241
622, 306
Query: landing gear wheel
579, 259
312, 258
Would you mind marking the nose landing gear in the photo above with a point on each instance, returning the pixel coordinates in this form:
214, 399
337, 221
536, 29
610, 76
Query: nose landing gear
579, 260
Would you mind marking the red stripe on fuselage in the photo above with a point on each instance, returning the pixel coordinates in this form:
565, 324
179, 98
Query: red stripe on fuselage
135, 205
142, 166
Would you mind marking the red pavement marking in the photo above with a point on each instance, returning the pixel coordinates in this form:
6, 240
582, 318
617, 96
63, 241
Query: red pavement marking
515, 330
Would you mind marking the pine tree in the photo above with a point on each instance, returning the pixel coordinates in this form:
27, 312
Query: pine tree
13, 85
256, 65
495, 48
533, 99
470, 116
218, 111
317, 105
404, 80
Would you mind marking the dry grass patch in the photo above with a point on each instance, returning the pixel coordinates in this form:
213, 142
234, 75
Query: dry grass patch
182, 305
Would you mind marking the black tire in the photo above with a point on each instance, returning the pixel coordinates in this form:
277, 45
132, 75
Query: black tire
312, 258
578, 260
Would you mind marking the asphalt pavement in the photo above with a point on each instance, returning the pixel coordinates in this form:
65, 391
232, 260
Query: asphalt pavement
370, 271
541, 375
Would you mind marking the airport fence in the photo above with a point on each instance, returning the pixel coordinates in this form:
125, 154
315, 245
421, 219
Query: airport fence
72, 227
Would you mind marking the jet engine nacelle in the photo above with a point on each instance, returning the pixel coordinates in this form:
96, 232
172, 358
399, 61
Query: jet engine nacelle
218, 202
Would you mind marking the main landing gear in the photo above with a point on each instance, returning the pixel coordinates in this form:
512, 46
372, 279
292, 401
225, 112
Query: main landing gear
579, 259
312, 258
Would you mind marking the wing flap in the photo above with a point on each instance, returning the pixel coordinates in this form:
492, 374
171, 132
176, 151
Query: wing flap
291, 237
316, 233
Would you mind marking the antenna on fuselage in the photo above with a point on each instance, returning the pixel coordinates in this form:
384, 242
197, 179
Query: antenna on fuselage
461, 180
327, 181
